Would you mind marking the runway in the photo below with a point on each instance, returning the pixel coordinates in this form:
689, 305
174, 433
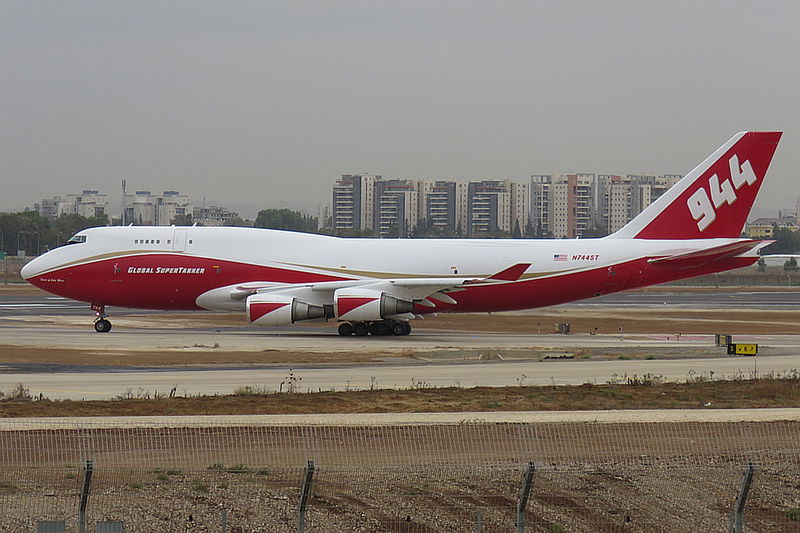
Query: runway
439, 358
37, 303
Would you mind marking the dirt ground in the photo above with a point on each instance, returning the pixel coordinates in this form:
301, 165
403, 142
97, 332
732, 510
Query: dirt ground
586, 477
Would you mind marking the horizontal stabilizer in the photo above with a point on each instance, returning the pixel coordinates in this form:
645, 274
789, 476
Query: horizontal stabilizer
715, 253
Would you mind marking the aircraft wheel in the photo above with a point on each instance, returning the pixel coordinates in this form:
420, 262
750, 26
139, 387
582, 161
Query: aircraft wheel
382, 328
102, 326
406, 328
361, 329
399, 329
346, 329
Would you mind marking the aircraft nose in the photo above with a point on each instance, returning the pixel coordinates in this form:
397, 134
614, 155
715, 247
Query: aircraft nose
30, 269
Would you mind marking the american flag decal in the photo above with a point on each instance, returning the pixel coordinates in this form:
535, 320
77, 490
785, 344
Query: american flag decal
559, 257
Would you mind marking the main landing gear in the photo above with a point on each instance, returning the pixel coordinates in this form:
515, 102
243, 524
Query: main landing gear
378, 328
101, 324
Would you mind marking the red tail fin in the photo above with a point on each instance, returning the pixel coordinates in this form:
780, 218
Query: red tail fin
714, 199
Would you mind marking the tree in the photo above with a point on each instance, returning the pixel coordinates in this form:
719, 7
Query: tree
516, 233
426, 230
238, 222
286, 219
33, 233
787, 241
597, 230
182, 220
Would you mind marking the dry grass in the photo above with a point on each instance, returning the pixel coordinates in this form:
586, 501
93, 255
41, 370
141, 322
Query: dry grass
638, 321
634, 393
195, 356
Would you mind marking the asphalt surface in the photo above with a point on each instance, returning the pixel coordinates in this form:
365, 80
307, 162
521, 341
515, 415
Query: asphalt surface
32, 304
18, 327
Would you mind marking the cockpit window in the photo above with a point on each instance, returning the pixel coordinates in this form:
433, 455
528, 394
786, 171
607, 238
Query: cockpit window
77, 239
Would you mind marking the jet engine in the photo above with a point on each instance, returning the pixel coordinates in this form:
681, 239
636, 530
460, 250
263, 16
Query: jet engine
367, 305
280, 310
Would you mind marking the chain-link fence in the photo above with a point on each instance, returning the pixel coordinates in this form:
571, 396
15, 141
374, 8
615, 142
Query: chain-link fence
446, 477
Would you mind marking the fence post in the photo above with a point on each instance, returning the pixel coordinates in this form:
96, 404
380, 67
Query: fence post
87, 483
224, 528
524, 492
304, 494
737, 516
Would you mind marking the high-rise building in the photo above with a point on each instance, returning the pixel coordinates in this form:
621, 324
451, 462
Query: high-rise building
520, 208
441, 204
353, 202
53, 208
88, 203
396, 207
496, 206
572, 205
614, 201
146, 208
540, 215
647, 188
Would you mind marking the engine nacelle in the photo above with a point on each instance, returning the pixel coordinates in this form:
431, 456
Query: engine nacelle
365, 305
280, 310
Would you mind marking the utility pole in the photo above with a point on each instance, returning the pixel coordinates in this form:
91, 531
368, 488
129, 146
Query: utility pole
124, 183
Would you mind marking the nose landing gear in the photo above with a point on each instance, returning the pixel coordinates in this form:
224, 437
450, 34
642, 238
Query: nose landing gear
101, 324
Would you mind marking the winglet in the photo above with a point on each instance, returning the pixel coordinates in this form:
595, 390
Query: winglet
512, 273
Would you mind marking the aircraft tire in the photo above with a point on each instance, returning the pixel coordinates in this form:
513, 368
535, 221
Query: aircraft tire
102, 326
346, 329
361, 329
382, 328
399, 329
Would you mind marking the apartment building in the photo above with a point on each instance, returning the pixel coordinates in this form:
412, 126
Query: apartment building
540, 216
88, 203
614, 201
441, 204
572, 205
353, 202
213, 215
396, 208
146, 208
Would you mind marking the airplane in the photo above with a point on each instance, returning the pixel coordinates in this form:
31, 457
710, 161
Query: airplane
377, 286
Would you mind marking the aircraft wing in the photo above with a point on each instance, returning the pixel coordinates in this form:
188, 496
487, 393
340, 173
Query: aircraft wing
422, 290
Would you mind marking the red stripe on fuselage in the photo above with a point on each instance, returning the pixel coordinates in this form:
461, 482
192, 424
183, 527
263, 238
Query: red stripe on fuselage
564, 288
160, 281
109, 282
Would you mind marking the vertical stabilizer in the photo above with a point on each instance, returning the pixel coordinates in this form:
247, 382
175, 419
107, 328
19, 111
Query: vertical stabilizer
714, 199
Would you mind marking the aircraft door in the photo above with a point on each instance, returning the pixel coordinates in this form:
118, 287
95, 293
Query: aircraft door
179, 239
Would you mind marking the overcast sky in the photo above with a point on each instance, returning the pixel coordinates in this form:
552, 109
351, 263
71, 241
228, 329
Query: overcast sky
267, 103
